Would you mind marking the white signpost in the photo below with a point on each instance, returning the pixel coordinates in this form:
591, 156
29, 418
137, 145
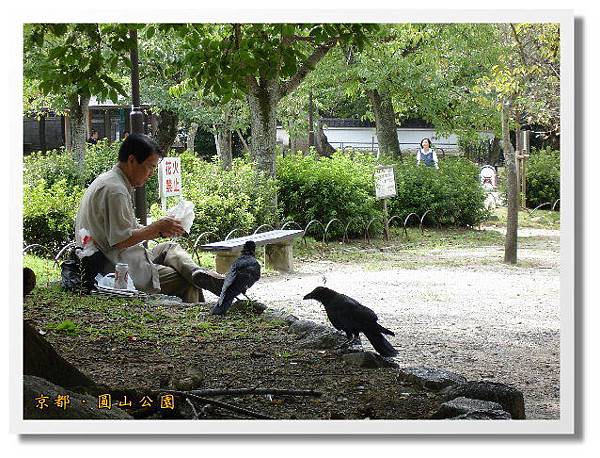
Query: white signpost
169, 179
385, 187
487, 178
385, 183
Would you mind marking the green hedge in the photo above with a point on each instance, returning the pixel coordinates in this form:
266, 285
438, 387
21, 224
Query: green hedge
343, 187
59, 164
543, 177
452, 193
321, 188
49, 213
307, 187
224, 199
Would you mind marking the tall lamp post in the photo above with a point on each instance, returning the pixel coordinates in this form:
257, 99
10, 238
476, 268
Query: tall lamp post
136, 118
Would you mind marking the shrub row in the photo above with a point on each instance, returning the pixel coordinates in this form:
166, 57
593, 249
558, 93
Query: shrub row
224, 199
452, 193
312, 187
49, 213
307, 187
543, 177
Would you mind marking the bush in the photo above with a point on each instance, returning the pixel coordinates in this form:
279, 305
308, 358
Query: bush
452, 193
60, 164
342, 187
224, 200
308, 187
543, 177
49, 213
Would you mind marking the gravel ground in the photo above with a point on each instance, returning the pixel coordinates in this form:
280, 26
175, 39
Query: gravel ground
470, 313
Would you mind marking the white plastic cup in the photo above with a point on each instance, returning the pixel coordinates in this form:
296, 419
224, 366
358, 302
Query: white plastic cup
121, 274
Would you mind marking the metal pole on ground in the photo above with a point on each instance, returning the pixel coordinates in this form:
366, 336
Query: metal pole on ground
526, 148
386, 226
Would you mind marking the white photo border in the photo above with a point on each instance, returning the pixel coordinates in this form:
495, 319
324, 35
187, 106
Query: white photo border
563, 426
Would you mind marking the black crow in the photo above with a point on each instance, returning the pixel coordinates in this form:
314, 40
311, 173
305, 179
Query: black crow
243, 273
346, 314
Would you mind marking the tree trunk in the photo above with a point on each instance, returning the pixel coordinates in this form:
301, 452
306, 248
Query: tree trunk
191, 136
79, 115
243, 140
263, 99
300, 143
322, 145
40, 359
224, 150
167, 130
311, 124
494, 151
42, 132
512, 217
107, 127
385, 122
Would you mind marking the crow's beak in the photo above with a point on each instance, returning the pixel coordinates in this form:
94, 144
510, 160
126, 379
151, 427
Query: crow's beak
308, 296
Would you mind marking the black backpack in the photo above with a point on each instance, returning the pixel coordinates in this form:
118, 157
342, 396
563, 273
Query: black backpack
79, 274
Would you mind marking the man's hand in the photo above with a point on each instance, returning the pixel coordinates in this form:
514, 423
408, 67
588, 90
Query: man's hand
168, 227
164, 227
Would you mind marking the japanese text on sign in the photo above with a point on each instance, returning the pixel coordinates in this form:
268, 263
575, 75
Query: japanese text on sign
170, 177
385, 184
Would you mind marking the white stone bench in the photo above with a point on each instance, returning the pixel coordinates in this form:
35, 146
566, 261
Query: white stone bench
278, 244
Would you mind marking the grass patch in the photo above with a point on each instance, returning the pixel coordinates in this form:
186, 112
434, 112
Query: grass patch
63, 312
67, 327
382, 251
540, 219
44, 268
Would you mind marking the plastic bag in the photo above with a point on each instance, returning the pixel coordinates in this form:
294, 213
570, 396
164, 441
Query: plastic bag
108, 281
184, 213
87, 244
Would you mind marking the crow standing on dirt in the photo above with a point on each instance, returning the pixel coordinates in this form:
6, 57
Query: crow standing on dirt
244, 272
346, 314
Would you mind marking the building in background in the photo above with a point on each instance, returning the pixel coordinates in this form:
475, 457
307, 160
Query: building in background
50, 130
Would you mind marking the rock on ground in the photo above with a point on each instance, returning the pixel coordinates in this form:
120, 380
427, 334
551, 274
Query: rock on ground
509, 397
367, 359
80, 406
430, 378
471, 409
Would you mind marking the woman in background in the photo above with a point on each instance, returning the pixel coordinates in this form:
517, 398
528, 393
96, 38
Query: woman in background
426, 155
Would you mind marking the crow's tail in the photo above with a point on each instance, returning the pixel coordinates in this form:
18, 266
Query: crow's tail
384, 330
380, 344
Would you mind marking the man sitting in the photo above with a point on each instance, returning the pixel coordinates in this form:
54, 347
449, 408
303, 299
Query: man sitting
107, 212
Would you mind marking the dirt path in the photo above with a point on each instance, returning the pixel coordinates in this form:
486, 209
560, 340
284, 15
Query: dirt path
459, 309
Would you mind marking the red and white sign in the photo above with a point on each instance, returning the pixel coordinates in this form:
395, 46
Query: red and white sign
487, 177
169, 175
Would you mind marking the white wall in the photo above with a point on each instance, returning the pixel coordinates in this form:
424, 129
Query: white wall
362, 137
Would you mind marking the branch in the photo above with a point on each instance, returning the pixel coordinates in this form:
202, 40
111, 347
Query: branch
242, 391
221, 404
307, 66
520, 45
237, 38
196, 414
242, 139
288, 39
